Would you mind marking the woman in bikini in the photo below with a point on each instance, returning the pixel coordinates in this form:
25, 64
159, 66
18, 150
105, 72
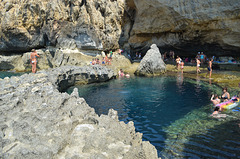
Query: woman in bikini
33, 60
225, 96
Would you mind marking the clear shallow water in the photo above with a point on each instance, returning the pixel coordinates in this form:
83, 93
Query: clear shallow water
171, 112
4, 74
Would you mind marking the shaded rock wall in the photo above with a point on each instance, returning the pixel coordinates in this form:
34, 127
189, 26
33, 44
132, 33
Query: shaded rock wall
186, 26
37, 121
60, 23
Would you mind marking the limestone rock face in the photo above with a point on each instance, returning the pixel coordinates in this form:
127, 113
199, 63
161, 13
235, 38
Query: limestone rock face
82, 24
186, 26
152, 63
37, 121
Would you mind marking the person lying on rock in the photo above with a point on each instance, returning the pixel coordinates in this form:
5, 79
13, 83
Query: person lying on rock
33, 60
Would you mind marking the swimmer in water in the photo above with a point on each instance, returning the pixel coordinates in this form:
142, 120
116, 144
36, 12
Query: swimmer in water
33, 60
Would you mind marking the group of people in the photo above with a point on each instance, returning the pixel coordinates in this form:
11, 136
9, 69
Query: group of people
179, 63
138, 55
170, 55
105, 61
215, 99
200, 58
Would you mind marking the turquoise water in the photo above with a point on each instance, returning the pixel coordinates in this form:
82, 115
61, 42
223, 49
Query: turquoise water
4, 74
171, 112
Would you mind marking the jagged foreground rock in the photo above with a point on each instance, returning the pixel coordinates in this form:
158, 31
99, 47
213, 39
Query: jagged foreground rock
152, 63
37, 121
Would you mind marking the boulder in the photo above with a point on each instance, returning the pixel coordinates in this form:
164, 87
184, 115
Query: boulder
38, 121
152, 63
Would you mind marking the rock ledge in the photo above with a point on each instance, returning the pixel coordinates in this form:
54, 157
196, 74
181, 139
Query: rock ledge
37, 121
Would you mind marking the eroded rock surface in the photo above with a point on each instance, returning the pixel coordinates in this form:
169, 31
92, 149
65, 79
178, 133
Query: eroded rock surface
152, 63
186, 26
37, 121
93, 25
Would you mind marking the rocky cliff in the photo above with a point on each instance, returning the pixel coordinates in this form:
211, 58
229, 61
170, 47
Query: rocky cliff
37, 121
185, 26
181, 25
71, 24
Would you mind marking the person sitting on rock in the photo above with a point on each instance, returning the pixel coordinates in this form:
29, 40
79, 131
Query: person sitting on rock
103, 61
136, 55
106, 60
97, 62
139, 55
33, 60
93, 61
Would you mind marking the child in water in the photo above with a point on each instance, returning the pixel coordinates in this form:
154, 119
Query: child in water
127, 75
121, 73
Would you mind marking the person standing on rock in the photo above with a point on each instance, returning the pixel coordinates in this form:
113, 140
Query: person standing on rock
209, 68
198, 65
33, 60
178, 62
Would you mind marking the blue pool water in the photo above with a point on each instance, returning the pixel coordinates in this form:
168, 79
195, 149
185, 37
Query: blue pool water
171, 112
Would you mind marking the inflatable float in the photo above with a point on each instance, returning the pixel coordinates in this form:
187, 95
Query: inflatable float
233, 102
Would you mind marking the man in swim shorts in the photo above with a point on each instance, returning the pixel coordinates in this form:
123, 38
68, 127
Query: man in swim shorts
33, 60
209, 68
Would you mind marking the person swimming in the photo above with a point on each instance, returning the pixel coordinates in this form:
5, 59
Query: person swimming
121, 73
127, 75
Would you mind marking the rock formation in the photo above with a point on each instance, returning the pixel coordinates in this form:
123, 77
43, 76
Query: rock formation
37, 121
152, 63
93, 25
180, 25
185, 26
